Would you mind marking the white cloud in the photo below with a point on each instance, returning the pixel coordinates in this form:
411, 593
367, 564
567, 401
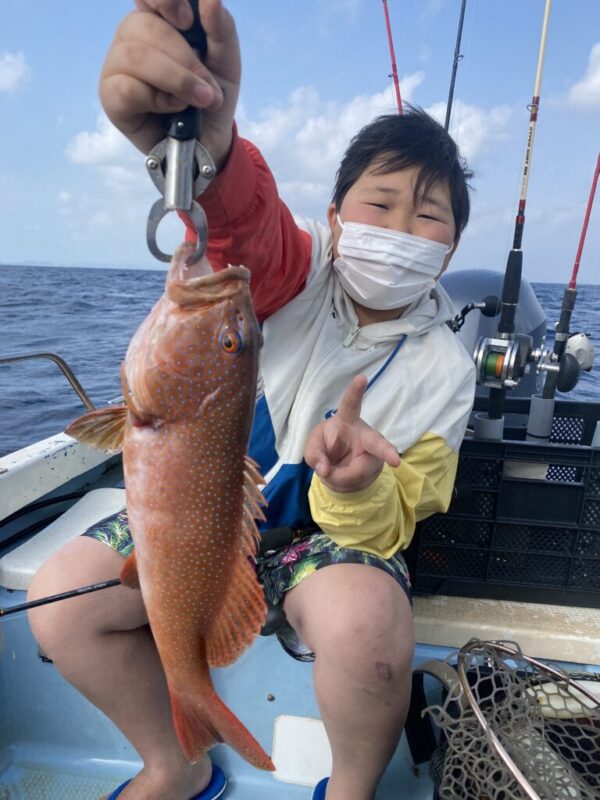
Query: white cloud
14, 72
64, 196
304, 138
102, 146
473, 128
585, 94
331, 13
100, 220
340, 6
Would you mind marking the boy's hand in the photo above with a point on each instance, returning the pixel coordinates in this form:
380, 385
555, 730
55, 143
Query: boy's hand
345, 452
150, 70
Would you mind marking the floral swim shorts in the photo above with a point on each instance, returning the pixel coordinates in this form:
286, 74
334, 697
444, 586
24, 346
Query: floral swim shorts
277, 570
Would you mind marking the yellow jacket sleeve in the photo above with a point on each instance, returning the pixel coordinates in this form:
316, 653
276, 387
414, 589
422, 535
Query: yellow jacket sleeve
381, 519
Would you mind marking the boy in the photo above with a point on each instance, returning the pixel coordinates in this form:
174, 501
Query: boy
363, 382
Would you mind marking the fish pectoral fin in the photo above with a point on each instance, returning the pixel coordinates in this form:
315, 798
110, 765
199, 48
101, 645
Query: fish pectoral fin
240, 618
102, 428
129, 573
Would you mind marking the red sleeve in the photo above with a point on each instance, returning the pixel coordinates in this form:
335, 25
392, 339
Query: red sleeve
249, 224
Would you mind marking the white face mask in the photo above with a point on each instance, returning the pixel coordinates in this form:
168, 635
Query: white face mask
384, 269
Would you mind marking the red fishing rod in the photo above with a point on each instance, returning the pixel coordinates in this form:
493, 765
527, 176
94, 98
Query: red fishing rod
573, 282
568, 303
394, 74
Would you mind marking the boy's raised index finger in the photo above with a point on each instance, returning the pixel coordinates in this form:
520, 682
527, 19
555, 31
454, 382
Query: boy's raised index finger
177, 12
349, 407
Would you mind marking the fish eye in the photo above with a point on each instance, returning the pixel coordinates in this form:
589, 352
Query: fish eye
231, 342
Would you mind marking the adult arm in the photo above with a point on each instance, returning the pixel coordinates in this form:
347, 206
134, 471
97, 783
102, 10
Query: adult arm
249, 224
149, 71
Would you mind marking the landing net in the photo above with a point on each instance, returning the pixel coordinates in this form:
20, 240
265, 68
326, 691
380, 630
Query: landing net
513, 728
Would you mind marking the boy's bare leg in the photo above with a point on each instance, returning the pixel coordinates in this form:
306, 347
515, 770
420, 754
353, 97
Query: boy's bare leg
358, 622
102, 644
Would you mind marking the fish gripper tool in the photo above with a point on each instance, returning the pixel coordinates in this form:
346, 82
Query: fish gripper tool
180, 167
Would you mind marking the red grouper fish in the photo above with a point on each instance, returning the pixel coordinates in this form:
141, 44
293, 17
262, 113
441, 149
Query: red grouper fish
189, 381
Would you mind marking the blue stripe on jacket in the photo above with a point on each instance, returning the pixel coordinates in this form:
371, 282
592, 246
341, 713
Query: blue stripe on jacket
287, 492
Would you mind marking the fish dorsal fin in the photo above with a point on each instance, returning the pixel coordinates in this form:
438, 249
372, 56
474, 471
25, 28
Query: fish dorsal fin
253, 500
244, 609
102, 428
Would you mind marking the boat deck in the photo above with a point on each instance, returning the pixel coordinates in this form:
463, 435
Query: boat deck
55, 745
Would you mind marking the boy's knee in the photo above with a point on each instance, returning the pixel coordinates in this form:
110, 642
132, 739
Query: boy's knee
382, 673
375, 650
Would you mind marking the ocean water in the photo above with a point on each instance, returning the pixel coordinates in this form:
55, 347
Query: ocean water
87, 316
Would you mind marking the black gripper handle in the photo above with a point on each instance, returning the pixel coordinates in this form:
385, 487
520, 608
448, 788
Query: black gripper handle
196, 35
187, 124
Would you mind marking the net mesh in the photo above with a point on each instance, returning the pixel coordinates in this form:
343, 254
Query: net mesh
513, 728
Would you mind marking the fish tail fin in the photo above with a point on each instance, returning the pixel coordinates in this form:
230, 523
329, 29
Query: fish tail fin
200, 725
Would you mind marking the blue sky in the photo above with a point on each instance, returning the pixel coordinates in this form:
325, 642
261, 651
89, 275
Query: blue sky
75, 193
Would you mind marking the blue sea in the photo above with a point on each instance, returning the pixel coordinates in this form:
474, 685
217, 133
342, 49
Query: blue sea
88, 316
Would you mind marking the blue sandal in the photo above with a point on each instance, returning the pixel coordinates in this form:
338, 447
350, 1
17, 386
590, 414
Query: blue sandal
216, 787
319, 790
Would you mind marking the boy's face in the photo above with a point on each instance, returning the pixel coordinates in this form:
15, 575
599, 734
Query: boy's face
386, 200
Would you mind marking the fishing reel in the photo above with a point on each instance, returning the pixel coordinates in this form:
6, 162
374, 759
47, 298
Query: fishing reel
502, 362
580, 346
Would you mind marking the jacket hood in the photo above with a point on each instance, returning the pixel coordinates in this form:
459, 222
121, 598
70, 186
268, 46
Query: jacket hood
430, 311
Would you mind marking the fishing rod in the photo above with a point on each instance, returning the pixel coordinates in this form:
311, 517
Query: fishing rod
457, 57
270, 540
570, 296
42, 601
394, 74
562, 368
501, 360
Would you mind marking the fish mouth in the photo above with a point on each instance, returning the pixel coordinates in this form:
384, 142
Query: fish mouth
182, 270
198, 283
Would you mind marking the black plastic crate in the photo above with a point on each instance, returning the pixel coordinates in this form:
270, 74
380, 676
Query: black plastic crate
525, 522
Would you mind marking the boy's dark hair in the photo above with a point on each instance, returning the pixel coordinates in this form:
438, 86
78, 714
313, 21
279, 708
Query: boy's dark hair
410, 139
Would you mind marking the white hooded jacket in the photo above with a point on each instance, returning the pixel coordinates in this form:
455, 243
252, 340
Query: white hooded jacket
313, 347
422, 380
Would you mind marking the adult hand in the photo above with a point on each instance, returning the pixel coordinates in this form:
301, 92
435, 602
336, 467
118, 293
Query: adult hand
150, 70
345, 452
